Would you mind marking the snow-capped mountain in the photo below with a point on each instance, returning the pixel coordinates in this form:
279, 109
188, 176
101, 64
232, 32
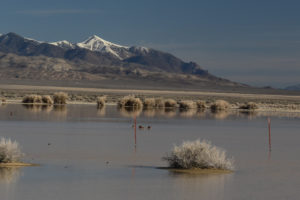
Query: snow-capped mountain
64, 44
95, 43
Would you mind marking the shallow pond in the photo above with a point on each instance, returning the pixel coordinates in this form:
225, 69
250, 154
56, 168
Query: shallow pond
90, 153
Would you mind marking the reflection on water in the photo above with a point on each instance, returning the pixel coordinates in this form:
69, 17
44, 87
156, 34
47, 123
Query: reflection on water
210, 186
220, 114
130, 111
187, 112
101, 111
38, 108
9, 174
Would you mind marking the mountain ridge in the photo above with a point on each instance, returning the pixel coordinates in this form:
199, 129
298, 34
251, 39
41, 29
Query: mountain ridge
97, 59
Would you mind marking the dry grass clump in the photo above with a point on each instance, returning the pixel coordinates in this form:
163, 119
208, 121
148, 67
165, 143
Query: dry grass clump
198, 154
101, 101
3, 100
159, 103
201, 104
249, 106
130, 101
187, 104
9, 151
60, 98
219, 105
170, 103
46, 99
149, 103
32, 99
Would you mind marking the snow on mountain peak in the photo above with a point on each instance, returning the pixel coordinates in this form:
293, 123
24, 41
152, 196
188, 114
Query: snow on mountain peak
63, 44
95, 43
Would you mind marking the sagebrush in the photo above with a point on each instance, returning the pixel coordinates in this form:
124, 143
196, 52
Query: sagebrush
219, 105
101, 101
60, 98
10, 151
170, 103
198, 154
249, 106
32, 99
130, 101
187, 104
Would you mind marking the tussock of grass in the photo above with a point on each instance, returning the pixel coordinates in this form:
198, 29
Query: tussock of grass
249, 106
159, 103
60, 98
9, 151
187, 104
219, 105
170, 103
101, 101
130, 101
201, 104
149, 103
198, 154
46, 99
32, 99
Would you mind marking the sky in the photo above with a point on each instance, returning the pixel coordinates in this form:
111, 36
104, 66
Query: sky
255, 42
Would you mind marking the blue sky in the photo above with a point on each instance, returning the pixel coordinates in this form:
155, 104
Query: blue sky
254, 42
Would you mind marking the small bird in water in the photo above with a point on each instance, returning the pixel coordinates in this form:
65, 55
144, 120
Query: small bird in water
148, 127
49, 143
141, 127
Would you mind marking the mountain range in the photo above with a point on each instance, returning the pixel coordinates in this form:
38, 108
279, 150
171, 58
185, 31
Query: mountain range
99, 61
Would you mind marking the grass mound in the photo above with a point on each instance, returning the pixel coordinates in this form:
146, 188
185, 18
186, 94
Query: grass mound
159, 103
170, 103
46, 99
101, 101
200, 155
32, 99
219, 105
201, 104
149, 103
130, 101
187, 104
249, 106
9, 151
60, 98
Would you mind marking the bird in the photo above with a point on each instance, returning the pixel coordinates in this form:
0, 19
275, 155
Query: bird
148, 127
141, 127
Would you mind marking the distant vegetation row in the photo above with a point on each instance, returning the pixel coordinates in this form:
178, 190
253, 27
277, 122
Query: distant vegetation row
130, 101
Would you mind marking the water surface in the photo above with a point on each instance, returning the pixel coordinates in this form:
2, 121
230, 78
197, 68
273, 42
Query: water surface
90, 153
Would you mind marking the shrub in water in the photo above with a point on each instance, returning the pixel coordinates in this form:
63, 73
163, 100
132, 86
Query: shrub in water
187, 104
130, 101
101, 101
219, 105
201, 104
170, 103
149, 103
9, 151
159, 102
46, 99
32, 99
60, 98
249, 106
198, 154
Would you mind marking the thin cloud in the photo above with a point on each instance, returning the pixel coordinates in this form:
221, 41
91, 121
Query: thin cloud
58, 12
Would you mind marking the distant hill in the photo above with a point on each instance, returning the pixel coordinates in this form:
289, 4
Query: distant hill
293, 87
95, 60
